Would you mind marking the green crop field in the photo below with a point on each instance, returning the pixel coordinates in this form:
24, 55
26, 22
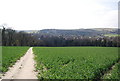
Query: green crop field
10, 55
74, 62
114, 73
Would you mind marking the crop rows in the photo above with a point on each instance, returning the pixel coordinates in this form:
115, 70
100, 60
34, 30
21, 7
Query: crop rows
10, 55
114, 73
74, 62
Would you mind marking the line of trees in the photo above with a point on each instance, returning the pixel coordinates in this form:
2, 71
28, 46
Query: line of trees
79, 41
11, 37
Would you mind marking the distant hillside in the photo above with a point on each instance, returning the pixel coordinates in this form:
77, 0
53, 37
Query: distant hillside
77, 32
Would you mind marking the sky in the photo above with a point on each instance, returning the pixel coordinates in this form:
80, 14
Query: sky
58, 14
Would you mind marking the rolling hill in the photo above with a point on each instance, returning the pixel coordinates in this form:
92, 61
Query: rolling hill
76, 32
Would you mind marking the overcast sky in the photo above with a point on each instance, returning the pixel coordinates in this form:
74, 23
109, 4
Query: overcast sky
59, 14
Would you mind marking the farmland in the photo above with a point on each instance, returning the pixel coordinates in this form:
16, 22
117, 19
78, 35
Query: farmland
10, 55
74, 62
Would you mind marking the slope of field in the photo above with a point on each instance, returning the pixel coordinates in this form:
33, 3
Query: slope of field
10, 55
74, 62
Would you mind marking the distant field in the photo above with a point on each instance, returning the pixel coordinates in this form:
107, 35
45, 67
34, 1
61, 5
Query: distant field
111, 35
10, 55
74, 62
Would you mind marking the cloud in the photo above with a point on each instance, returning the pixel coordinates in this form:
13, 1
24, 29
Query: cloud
65, 14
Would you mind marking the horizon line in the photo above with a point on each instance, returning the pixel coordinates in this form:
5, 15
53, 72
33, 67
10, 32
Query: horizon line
69, 29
